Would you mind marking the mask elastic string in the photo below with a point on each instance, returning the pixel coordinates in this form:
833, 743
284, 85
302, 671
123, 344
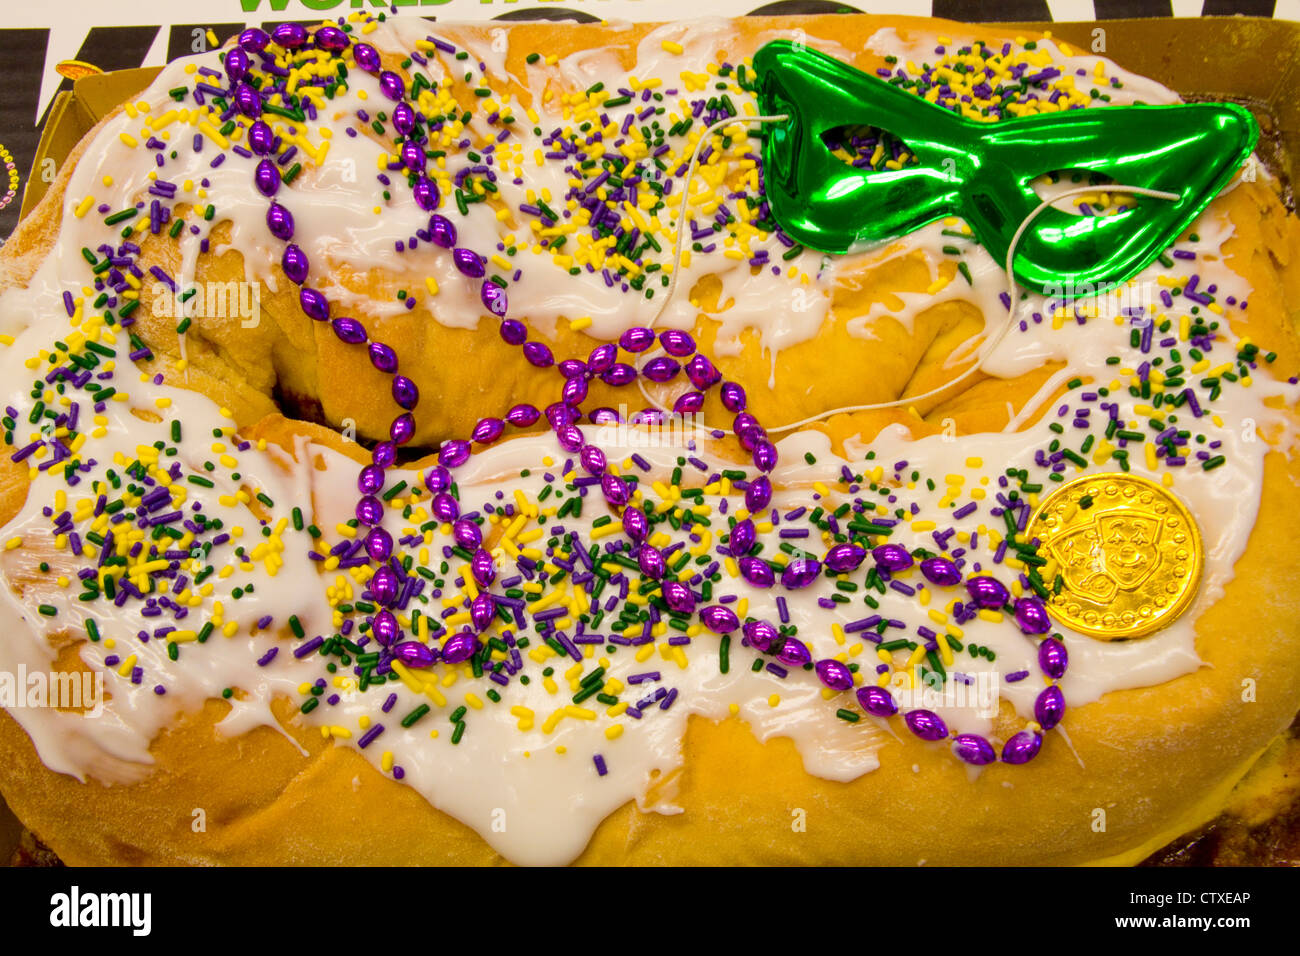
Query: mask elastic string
991, 341
686, 196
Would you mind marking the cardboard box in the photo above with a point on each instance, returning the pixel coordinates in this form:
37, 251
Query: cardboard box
73, 114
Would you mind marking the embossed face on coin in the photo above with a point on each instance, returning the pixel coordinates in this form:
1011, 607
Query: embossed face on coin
1127, 551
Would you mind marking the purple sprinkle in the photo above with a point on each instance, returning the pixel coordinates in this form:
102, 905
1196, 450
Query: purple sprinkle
303, 650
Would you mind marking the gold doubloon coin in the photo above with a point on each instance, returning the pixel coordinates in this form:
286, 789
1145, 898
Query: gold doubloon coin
1127, 551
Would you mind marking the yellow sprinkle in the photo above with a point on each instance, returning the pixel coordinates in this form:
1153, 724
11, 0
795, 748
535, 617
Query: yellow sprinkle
212, 133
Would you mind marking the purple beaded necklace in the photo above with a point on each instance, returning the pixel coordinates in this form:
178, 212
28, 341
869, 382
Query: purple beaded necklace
680, 354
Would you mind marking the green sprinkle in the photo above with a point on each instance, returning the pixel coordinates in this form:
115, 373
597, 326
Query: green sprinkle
410, 719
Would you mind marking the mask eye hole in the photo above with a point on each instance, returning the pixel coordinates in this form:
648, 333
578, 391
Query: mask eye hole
1098, 203
868, 148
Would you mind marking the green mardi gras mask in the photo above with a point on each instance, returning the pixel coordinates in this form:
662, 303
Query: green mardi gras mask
983, 172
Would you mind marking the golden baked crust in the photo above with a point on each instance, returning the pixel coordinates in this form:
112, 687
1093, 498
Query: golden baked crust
1149, 757
286, 357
